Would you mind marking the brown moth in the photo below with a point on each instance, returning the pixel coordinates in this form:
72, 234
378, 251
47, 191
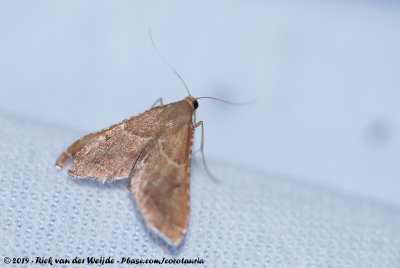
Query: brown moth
154, 150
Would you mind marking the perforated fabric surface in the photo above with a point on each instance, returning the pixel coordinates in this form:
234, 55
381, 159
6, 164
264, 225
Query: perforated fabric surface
247, 220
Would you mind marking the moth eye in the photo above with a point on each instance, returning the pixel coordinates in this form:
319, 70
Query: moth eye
195, 104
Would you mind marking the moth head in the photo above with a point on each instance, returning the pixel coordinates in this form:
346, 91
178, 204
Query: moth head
192, 101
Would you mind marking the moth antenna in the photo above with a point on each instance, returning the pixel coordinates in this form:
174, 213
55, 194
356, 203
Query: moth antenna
228, 102
166, 62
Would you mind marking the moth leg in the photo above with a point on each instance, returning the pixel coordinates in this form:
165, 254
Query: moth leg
200, 123
159, 100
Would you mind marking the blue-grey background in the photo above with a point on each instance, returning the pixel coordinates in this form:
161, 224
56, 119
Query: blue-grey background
324, 74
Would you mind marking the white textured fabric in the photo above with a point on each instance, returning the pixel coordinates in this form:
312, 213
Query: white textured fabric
247, 220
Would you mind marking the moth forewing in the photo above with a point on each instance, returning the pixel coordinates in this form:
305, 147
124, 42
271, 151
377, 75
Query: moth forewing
160, 180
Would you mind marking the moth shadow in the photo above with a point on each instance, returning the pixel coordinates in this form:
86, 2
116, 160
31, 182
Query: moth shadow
94, 183
153, 237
